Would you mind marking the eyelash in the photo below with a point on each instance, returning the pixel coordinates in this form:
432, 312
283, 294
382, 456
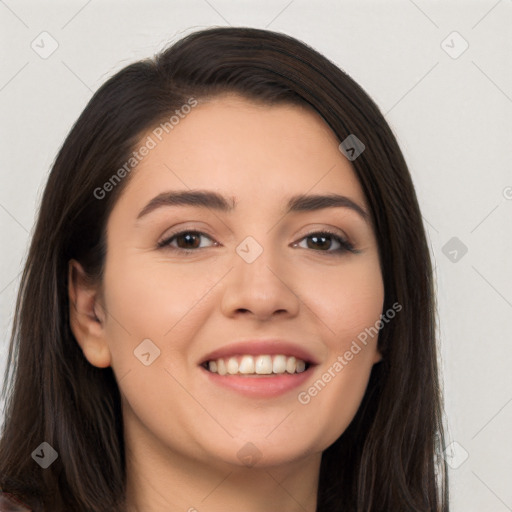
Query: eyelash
345, 245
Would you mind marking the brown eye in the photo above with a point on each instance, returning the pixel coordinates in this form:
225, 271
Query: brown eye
323, 241
185, 241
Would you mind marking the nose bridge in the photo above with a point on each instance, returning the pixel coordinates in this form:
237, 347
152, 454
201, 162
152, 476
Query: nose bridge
260, 236
257, 281
255, 259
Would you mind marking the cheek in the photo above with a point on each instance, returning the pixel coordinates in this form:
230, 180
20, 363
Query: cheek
152, 301
151, 297
350, 307
159, 301
349, 299
334, 398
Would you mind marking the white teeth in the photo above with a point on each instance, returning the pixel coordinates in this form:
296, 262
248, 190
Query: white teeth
263, 365
232, 366
221, 367
291, 364
301, 366
279, 364
259, 365
246, 365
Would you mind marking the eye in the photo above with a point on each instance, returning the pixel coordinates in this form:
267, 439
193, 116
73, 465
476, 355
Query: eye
323, 240
187, 241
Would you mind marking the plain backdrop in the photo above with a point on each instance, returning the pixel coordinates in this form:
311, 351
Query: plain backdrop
441, 74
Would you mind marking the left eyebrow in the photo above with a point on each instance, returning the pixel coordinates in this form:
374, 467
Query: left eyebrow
213, 200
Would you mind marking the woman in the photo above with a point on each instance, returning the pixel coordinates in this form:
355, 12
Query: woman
287, 363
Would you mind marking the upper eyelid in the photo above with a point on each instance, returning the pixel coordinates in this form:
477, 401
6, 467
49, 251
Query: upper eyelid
332, 231
310, 230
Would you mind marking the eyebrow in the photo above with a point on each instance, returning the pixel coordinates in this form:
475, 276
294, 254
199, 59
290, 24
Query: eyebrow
213, 200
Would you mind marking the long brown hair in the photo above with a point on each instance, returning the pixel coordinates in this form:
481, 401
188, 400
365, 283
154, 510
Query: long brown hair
389, 458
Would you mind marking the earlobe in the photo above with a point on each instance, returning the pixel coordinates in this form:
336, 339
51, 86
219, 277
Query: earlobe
87, 316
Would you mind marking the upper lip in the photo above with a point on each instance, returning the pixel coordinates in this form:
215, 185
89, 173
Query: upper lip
260, 346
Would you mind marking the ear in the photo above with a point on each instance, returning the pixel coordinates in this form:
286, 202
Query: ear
377, 358
87, 316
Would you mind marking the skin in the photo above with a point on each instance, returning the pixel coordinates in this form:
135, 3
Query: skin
182, 435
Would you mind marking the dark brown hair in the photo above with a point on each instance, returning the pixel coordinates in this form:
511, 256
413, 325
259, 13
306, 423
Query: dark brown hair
389, 458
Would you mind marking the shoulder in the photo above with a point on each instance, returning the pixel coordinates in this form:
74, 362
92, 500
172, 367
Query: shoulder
9, 503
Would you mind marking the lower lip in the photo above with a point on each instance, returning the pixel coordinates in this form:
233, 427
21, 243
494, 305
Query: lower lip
265, 386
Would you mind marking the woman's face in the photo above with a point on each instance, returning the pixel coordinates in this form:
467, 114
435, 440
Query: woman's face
260, 280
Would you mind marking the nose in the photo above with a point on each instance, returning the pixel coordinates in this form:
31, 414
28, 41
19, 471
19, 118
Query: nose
261, 288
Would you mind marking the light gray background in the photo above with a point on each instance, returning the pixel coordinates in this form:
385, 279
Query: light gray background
451, 117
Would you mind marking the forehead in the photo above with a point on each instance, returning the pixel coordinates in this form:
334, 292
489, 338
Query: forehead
248, 150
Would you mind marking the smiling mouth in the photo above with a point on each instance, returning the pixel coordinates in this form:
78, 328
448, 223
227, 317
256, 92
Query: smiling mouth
264, 365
